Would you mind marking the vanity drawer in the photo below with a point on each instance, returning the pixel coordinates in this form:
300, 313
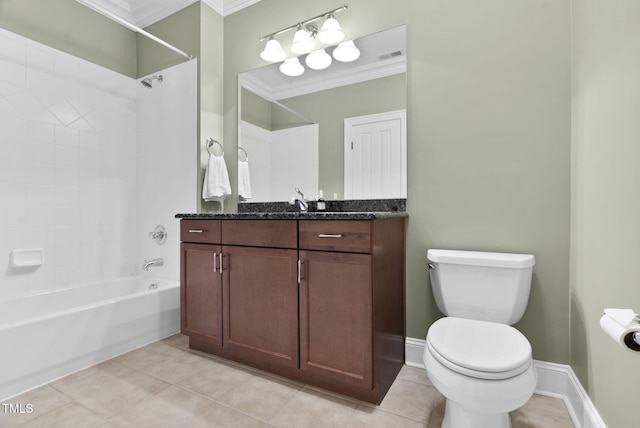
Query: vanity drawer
200, 231
260, 233
335, 235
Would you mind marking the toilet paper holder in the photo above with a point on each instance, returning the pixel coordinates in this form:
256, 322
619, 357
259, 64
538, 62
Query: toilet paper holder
623, 326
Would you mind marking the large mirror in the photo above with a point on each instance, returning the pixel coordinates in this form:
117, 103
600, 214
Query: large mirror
341, 130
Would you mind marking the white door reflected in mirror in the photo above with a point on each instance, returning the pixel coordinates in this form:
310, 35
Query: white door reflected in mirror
375, 156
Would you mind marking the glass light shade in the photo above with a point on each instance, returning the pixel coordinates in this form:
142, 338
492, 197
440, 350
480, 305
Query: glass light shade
273, 51
331, 33
318, 60
303, 42
292, 67
346, 52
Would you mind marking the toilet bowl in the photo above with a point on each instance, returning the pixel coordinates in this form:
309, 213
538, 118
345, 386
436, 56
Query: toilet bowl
484, 370
473, 356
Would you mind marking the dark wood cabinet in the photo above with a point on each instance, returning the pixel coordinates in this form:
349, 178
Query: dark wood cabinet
336, 330
317, 301
261, 303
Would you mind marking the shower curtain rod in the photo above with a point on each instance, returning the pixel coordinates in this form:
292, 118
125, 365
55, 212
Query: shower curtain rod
130, 26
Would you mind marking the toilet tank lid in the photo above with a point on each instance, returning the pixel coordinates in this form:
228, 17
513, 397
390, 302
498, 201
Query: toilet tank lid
480, 258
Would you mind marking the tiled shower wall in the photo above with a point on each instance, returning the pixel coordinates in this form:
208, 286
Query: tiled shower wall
67, 168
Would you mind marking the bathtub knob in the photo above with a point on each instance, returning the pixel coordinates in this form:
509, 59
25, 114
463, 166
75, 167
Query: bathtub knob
159, 234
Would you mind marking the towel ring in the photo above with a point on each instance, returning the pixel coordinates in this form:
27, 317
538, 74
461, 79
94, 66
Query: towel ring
211, 142
246, 155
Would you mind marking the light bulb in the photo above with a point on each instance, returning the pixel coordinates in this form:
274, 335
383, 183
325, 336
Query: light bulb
331, 33
318, 60
303, 42
346, 52
292, 67
273, 51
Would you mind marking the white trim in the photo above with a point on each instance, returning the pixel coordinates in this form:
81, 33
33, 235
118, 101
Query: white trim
554, 380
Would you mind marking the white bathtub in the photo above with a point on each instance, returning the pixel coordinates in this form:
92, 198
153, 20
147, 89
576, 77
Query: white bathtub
49, 335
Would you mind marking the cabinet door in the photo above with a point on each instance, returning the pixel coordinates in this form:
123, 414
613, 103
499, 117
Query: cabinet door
336, 316
261, 304
201, 292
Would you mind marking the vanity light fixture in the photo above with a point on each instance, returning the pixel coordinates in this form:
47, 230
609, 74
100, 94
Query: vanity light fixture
346, 52
304, 42
273, 51
331, 33
318, 60
292, 67
304, 39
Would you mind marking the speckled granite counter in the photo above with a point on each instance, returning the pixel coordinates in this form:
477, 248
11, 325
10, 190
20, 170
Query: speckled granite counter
292, 215
368, 209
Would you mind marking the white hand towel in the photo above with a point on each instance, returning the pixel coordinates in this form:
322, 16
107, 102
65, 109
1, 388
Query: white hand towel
244, 180
216, 185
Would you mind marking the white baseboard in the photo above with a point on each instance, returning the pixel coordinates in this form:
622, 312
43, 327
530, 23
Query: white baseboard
554, 380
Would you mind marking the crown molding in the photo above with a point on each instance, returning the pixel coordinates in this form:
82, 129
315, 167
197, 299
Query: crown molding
151, 11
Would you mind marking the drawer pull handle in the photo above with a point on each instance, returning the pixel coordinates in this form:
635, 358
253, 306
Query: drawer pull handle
196, 230
325, 235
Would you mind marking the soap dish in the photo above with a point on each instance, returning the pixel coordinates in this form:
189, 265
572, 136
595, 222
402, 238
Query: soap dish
27, 257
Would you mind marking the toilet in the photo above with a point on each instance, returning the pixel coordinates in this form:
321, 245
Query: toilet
473, 356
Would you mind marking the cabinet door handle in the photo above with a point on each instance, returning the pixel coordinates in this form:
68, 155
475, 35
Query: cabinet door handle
325, 235
300, 263
214, 261
221, 262
196, 230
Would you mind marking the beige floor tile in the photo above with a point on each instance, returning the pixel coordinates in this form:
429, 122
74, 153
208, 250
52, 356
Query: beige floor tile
165, 361
412, 400
414, 374
43, 400
216, 379
261, 397
219, 416
69, 415
177, 340
370, 417
310, 408
541, 411
109, 387
171, 407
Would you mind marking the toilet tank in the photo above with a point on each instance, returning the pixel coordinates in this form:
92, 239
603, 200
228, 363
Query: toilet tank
480, 285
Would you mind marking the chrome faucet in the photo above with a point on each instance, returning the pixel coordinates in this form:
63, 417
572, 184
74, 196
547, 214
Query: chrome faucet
300, 201
153, 262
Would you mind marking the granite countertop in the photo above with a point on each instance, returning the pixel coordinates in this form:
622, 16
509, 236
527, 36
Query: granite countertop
368, 209
296, 215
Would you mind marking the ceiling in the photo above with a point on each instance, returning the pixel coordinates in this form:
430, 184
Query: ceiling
142, 13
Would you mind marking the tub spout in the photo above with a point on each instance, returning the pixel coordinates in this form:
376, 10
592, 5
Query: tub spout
154, 262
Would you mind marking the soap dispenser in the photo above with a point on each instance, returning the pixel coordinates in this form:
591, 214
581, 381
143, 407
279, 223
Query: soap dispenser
321, 206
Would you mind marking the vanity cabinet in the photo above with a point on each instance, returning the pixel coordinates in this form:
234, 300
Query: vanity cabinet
317, 301
201, 290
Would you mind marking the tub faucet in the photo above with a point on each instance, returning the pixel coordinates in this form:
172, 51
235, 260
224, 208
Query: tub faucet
153, 262
301, 201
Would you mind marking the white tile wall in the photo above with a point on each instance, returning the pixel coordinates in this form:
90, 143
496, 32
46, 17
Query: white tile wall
167, 164
67, 167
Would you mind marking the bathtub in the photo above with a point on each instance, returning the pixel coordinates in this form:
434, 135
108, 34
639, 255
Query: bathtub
49, 335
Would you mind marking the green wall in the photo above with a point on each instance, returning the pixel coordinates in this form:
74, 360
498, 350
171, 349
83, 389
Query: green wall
488, 135
73, 28
605, 240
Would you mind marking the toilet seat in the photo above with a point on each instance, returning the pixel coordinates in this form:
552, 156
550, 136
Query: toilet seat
479, 349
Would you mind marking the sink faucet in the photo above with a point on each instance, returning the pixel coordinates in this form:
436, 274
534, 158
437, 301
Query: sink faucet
300, 201
153, 262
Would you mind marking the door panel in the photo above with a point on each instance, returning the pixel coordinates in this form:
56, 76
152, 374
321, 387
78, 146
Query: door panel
336, 317
261, 303
201, 293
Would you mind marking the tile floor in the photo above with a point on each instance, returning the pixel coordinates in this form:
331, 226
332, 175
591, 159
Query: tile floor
165, 384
